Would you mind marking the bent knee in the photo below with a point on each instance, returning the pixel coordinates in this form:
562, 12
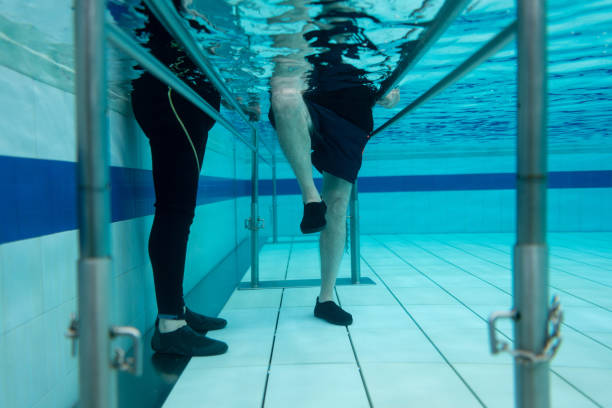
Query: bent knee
336, 206
286, 98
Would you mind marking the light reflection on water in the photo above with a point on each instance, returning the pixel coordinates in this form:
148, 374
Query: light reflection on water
479, 112
476, 113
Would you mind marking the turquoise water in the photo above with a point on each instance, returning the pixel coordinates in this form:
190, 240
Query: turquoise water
476, 113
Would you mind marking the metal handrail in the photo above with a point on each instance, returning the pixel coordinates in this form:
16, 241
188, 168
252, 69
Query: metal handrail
132, 48
447, 13
480, 56
167, 15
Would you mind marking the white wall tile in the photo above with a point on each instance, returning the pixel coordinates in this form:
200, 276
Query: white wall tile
59, 360
3, 378
59, 268
55, 123
24, 359
22, 292
2, 306
126, 141
18, 114
67, 392
218, 164
211, 238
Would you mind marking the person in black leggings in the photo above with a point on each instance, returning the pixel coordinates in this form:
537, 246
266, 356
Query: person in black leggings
177, 132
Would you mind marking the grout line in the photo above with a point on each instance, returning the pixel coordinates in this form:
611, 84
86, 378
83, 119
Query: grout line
564, 324
581, 298
551, 370
567, 245
556, 268
41, 315
418, 325
443, 288
263, 400
363, 380
468, 252
578, 390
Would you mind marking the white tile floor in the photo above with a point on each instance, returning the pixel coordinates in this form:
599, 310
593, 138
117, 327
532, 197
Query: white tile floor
419, 335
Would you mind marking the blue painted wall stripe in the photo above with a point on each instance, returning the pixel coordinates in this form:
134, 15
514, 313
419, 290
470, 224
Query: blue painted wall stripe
39, 196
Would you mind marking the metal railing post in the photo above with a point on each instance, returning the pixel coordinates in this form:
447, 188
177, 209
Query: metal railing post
254, 222
97, 380
355, 244
532, 383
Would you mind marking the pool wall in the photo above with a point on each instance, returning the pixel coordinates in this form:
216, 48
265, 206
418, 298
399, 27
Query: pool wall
470, 193
39, 240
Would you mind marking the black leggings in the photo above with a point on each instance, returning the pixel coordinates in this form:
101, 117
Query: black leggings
170, 122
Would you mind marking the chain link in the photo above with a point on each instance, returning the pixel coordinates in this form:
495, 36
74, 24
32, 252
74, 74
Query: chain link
553, 340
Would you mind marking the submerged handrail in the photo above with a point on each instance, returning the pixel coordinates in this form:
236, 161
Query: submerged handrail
447, 13
167, 15
132, 48
480, 56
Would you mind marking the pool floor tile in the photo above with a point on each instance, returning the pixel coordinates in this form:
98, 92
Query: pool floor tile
398, 385
227, 387
315, 385
449, 284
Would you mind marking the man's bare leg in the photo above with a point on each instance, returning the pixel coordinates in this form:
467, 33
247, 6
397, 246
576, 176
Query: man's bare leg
293, 126
336, 193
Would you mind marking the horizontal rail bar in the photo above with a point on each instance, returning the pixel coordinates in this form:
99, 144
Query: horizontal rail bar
480, 56
166, 14
447, 13
132, 48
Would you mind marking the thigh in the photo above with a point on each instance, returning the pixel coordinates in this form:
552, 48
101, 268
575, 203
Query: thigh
177, 132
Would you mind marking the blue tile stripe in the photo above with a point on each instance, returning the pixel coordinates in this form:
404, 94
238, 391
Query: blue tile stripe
39, 196
455, 182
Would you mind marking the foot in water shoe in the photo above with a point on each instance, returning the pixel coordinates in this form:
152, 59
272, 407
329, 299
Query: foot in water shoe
332, 313
186, 342
201, 323
314, 217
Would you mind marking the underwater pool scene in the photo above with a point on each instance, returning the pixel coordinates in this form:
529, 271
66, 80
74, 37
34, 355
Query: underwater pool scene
436, 217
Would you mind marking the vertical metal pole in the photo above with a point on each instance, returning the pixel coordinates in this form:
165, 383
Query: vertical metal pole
355, 245
274, 201
532, 383
254, 224
97, 381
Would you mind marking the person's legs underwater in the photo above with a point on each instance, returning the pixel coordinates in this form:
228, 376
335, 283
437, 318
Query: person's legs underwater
177, 133
293, 126
290, 116
336, 193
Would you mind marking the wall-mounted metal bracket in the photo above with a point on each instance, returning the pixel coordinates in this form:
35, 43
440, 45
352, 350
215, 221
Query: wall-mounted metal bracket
254, 226
73, 333
133, 364
553, 340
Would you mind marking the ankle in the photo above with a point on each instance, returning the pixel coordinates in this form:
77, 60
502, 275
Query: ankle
311, 200
170, 325
325, 298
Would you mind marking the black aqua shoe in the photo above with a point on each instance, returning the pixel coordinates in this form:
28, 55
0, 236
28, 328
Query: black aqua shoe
186, 342
332, 313
314, 217
201, 323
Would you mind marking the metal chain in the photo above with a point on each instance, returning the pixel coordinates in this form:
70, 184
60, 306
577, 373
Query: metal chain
553, 340
555, 319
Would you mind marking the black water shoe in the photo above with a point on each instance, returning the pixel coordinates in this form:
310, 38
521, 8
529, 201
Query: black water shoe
186, 342
314, 217
332, 313
201, 323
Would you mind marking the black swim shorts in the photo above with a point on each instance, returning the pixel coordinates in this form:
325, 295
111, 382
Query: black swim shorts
337, 144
